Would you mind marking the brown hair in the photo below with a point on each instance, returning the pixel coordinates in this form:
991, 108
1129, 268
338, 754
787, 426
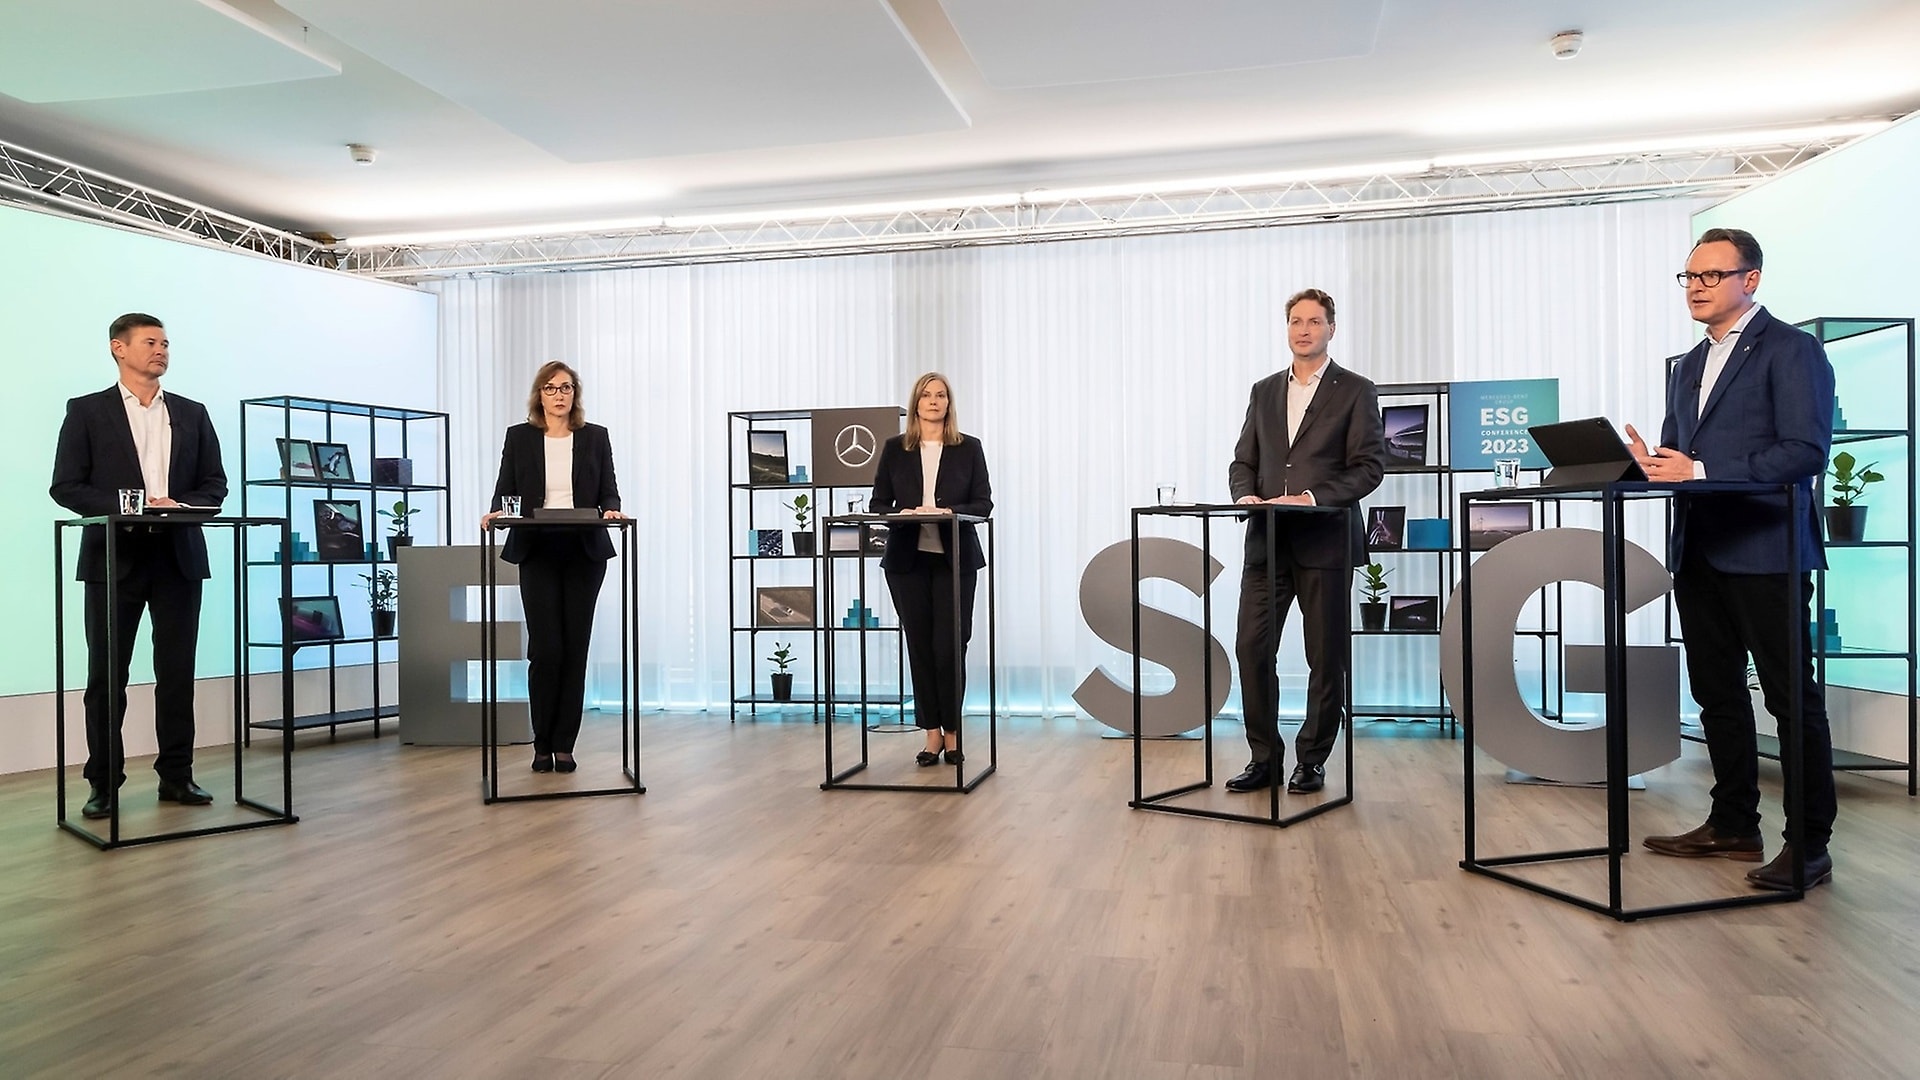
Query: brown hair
950, 435
1742, 241
537, 413
1318, 296
124, 326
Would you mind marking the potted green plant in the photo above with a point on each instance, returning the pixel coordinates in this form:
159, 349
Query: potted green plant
401, 529
1847, 517
383, 593
1373, 609
782, 659
802, 509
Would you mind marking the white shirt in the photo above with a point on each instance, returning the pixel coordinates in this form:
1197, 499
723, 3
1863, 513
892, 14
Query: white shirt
1717, 354
1300, 396
152, 439
1299, 400
559, 473
929, 472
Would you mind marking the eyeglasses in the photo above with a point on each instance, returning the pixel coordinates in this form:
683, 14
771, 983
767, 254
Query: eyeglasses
561, 390
1709, 278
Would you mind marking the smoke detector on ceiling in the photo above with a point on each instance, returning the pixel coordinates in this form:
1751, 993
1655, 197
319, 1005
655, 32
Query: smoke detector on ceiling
361, 154
1566, 44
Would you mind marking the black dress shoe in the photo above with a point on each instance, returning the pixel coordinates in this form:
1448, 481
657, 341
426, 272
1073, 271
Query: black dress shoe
564, 763
1258, 775
1706, 842
97, 807
955, 757
926, 758
1307, 779
184, 792
1778, 874
543, 763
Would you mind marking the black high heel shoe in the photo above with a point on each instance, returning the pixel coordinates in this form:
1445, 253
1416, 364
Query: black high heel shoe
564, 764
543, 763
955, 757
927, 757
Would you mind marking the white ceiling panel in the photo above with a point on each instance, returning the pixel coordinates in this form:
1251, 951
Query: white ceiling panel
593, 81
90, 50
1032, 43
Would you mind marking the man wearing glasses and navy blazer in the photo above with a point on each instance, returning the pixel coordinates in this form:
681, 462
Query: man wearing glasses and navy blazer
1753, 401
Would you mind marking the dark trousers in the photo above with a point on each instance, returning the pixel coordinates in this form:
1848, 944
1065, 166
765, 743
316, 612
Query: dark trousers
559, 584
153, 582
923, 595
1725, 617
1264, 600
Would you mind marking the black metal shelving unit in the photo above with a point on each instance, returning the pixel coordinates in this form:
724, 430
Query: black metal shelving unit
368, 431
751, 507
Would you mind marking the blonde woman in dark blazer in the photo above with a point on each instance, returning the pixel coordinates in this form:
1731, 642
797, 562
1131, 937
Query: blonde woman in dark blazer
933, 470
557, 460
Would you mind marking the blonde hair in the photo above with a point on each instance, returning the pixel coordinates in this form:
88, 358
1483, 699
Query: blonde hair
950, 434
537, 413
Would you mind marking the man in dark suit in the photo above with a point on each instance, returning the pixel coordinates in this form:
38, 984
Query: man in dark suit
134, 436
1313, 437
1753, 401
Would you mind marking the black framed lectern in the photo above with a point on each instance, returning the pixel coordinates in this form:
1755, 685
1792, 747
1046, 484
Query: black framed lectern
490, 659
1207, 514
241, 681
962, 782
1613, 499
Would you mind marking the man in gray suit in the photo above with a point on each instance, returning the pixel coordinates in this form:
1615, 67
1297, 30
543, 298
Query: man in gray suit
1313, 437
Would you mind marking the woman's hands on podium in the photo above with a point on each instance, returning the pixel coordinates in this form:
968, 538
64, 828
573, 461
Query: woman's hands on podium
613, 515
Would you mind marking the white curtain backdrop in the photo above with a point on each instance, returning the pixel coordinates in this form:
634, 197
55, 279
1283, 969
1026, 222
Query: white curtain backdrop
1092, 371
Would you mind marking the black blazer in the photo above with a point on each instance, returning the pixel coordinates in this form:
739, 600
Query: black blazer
961, 486
523, 472
95, 458
1339, 455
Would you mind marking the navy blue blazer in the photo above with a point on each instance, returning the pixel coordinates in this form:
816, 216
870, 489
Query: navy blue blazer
95, 458
1769, 418
961, 486
523, 472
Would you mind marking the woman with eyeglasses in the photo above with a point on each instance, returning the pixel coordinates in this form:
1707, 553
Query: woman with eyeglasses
556, 460
934, 470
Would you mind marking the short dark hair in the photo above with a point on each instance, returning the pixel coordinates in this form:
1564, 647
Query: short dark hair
1742, 241
124, 326
1318, 296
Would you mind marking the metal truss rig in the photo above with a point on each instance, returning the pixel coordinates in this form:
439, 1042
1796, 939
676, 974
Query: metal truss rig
35, 179
30, 178
1450, 190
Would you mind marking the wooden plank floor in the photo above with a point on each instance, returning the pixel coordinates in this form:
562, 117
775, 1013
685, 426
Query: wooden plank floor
736, 921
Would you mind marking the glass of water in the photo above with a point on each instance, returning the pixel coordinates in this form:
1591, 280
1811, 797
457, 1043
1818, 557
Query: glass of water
133, 501
510, 505
1506, 472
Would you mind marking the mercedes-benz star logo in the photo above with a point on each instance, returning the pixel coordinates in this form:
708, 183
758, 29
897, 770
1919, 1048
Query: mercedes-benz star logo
854, 445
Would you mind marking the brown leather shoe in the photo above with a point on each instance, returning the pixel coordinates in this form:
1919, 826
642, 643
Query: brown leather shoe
1707, 842
1778, 874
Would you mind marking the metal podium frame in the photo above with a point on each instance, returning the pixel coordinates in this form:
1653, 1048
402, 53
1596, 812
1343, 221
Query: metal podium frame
1613, 499
961, 784
490, 668
242, 682
1207, 512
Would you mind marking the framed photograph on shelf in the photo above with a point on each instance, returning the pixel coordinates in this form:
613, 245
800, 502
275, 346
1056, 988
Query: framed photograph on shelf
312, 618
1405, 427
333, 462
843, 539
393, 471
1489, 524
783, 605
337, 532
766, 457
296, 459
1414, 613
769, 542
1387, 528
